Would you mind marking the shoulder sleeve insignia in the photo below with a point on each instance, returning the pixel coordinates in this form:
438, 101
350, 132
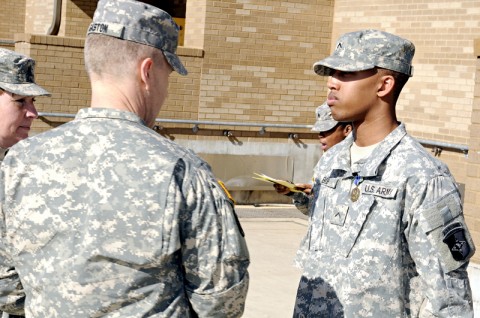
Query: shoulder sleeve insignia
454, 237
224, 188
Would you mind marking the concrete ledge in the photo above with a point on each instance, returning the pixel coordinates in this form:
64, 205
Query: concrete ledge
49, 40
256, 197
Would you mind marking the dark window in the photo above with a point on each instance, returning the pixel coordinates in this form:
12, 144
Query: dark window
176, 8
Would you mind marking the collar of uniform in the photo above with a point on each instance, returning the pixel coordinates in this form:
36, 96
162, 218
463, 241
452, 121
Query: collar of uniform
342, 154
109, 113
3, 152
370, 165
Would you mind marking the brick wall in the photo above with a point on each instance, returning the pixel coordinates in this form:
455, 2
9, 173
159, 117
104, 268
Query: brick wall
258, 58
78, 15
39, 16
194, 35
12, 18
472, 197
183, 93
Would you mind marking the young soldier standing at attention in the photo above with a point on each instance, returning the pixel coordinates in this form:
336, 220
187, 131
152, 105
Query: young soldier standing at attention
387, 236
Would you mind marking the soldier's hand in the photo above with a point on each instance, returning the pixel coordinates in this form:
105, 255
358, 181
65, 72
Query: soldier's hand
304, 187
281, 189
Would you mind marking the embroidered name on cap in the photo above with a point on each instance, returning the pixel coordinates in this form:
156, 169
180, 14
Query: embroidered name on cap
380, 190
98, 27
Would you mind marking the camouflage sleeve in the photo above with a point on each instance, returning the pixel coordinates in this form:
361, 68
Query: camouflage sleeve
302, 202
214, 251
441, 246
12, 297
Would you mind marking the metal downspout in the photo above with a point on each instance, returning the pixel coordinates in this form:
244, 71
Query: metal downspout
57, 17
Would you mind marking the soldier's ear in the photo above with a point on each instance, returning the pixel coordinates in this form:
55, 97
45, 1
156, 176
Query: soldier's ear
347, 130
385, 85
145, 68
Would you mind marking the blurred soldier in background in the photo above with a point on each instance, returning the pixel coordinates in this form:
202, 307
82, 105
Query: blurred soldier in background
330, 133
17, 109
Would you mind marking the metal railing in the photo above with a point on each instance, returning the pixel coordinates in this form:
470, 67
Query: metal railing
438, 146
9, 42
196, 123
443, 145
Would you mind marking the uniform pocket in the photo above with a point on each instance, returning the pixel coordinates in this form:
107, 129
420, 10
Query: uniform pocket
356, 219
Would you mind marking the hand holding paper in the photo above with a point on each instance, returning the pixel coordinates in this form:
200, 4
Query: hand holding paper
292, 187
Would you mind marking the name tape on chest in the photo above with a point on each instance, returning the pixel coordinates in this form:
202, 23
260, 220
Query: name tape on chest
379, 190
376, 189
329, 182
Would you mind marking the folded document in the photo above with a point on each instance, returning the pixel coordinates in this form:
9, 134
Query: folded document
292, 187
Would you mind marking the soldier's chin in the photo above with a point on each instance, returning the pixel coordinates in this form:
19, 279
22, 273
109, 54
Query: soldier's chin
22, 133
8, 143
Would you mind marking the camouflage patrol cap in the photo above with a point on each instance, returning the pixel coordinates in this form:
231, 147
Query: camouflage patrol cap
17, 74
141, 23
366, 49
325, 121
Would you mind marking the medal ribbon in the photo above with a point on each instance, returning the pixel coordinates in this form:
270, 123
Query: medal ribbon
355, 193
357, 180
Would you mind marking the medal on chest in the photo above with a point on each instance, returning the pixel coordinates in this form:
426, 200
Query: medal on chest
355, 193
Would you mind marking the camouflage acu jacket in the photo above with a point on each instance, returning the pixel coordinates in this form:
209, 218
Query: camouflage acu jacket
398, 247
302, 202
104, 217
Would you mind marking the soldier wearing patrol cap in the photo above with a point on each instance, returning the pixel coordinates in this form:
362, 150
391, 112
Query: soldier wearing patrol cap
17, 96
324, 120
387, 236
330, 133
104, 217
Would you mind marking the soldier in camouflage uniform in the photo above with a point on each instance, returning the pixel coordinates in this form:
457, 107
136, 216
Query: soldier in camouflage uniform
330, 133
387, 236
17, 96
104, 217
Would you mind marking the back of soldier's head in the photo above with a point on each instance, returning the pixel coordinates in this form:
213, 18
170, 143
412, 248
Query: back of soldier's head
125, 30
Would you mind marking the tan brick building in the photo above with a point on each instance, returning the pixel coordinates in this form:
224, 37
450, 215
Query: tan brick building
250, 64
